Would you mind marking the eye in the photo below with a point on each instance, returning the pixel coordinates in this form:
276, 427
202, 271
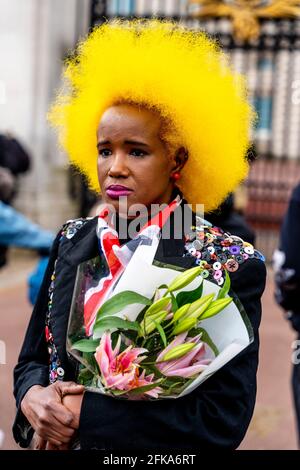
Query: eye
104, 153
138, 153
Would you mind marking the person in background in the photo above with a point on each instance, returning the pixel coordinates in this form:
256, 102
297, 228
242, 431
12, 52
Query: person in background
228, 217
286, 263
15, 229
231, 221
14, 157
14, 160
79, 190
18, 231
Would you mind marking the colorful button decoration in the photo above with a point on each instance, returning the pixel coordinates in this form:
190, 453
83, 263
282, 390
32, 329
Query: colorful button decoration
219, 252
205, 273
197, 244
218, 275
217, 266
71, 227
60, 372
234, 250
56, 372
54, 362
232, 265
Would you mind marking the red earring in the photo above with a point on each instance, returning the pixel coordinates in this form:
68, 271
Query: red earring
176, 176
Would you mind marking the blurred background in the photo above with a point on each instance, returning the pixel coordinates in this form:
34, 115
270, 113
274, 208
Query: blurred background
262, 39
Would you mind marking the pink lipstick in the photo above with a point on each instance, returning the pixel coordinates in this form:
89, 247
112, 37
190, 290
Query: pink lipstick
114, 191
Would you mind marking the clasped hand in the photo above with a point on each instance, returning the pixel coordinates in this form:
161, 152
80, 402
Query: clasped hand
53, 412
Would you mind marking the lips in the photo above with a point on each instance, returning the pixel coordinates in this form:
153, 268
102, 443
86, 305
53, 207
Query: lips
115, 191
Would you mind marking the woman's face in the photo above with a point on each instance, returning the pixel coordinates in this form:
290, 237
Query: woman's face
132, 159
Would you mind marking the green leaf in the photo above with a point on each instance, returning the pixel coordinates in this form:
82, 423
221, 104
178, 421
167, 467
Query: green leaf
169, 390
226, 286
119, 301
86, 345
90, 360
172, 379
163, 286
152, 369
189, 296
129, 334
109, 323
142, 314
161, 332
85, 376
117, 393
206, 339
174, 302
178, 386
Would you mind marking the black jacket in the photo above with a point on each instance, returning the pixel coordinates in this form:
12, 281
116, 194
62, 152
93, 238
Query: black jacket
216, 414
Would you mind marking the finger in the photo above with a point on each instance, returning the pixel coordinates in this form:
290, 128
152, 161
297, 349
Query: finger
64, 431
54, 409
50, 428
64, 416
39, 442
56, 438
48, 435
51, 446
53, 442
66, 388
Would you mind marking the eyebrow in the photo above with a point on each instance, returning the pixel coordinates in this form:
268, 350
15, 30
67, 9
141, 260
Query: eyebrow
128, 142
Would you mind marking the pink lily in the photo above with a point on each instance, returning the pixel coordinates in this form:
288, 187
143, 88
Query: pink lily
121, 370
188, 365
141, 381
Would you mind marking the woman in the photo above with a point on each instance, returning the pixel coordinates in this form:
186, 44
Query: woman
169, 116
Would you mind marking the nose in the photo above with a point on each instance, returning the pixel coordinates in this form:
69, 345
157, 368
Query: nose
118, 167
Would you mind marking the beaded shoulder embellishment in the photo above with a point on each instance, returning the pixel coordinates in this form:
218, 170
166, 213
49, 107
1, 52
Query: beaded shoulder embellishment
217, 251
71, 227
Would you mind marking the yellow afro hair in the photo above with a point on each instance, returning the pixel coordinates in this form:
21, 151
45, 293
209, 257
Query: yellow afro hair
178, 71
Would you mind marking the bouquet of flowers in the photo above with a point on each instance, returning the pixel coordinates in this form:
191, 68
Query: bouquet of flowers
158, 334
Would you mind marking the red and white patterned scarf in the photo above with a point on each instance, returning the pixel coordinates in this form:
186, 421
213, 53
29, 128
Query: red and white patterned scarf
117, 257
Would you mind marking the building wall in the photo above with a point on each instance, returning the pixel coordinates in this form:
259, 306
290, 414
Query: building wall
35, 35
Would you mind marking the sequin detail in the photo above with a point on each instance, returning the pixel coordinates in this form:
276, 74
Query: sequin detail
56, 372
54, 362
219, 251
71, 227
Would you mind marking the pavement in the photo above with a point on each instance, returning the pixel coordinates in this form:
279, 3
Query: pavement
272, 426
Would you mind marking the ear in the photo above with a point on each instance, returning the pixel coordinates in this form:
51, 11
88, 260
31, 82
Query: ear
180, 158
